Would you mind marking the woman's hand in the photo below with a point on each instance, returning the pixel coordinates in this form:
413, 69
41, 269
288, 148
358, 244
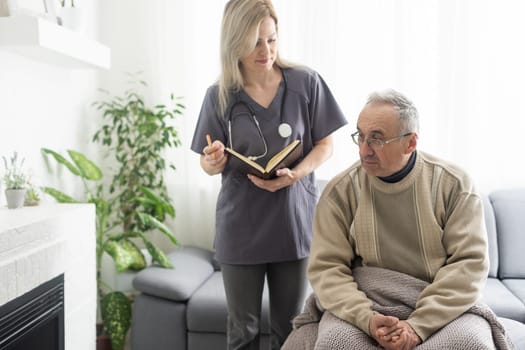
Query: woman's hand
213, 158
285, 177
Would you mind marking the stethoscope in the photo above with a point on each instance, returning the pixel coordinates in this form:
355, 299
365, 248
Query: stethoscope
284, 129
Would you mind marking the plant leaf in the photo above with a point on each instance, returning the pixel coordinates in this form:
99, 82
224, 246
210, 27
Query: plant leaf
156, 254
123, 235
88, 169
139, 262
150, 221
122, 257
145, 202
61, 160
59, 196
116, 314
168, 208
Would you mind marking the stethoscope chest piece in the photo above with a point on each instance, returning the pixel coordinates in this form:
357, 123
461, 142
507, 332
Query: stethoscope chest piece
285, 130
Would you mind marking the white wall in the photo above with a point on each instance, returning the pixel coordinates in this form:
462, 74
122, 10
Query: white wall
45, 105
459, 61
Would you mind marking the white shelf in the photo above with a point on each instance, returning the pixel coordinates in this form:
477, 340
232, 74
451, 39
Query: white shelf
45, 41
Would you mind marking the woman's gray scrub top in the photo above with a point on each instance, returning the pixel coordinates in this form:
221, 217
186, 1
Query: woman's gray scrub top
255, 226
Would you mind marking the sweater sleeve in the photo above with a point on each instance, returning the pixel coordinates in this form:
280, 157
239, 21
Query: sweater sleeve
458, 283
331, 252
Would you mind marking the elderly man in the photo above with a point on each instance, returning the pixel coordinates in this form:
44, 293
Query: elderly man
399, 252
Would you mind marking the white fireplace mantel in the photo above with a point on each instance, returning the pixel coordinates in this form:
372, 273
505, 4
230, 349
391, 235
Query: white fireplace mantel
42, 242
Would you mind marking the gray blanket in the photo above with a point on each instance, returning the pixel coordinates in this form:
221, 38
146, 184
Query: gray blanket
395, 294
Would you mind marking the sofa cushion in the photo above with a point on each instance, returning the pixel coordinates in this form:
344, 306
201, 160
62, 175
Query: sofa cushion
505, 304
509, 211
517, 287
162, 322
515, 330
192, 266
492, 237
207, 310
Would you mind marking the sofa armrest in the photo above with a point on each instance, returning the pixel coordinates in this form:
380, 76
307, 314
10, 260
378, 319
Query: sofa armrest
192, 267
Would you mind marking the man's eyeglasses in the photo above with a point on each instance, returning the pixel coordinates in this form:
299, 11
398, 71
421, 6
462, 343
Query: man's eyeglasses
375, 144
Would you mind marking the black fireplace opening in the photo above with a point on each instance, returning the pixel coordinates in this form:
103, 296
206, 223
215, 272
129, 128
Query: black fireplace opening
34, 320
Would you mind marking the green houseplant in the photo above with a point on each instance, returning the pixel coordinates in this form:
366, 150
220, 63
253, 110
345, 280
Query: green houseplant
115, 306
15, 181
136, 137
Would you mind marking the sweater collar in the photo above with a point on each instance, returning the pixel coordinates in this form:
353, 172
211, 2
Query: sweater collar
400, 175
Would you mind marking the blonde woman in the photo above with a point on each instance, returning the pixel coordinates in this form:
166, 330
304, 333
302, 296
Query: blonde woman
259, 105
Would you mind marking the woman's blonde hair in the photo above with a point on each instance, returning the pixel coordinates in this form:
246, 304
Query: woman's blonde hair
239, 34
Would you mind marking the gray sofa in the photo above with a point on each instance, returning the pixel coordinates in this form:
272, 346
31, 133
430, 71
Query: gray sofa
185, 308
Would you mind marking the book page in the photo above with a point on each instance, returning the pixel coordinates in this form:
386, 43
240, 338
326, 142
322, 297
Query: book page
281, 155
246, 160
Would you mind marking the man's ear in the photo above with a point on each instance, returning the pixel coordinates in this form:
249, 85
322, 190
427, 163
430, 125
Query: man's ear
412, 143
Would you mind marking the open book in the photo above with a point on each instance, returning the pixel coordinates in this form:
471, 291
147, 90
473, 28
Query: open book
283, 159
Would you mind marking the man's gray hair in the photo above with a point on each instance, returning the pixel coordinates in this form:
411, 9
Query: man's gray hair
408, 115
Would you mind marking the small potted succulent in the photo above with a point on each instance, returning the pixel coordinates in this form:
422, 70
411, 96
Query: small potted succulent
15, 181
32, 196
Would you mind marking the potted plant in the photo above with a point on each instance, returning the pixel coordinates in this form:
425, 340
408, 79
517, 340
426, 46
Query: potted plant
149, 208
32, 196
15, 181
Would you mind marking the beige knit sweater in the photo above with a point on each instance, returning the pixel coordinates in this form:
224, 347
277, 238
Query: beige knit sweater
429, 225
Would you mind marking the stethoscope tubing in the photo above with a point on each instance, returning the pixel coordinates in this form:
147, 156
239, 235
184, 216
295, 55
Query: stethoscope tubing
284, 129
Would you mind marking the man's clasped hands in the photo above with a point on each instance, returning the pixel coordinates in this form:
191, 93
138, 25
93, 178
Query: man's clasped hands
392, 333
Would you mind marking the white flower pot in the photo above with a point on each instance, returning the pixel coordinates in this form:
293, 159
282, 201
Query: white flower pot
72, 18
15, 198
